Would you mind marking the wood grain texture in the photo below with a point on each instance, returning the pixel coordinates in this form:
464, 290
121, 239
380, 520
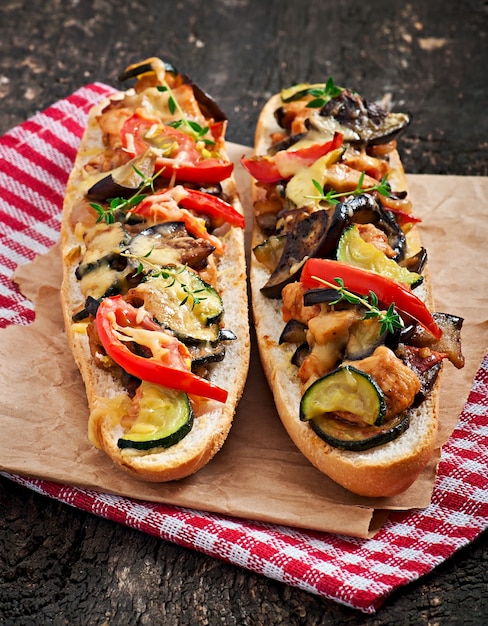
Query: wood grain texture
61, 566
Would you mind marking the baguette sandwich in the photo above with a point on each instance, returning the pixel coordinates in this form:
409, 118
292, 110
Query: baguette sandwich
342, 299
154, 278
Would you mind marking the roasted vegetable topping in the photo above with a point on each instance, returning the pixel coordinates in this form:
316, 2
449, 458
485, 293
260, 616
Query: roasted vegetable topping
163, 418
334, 223
349, 394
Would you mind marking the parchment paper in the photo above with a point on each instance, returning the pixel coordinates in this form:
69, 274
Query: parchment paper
258, 474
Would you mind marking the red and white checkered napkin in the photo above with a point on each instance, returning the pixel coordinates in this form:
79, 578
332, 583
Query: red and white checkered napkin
35, 159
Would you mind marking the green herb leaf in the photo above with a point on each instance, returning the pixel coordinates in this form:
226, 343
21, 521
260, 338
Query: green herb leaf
389, 320
333, 197
123, 205
190, 127
323, 95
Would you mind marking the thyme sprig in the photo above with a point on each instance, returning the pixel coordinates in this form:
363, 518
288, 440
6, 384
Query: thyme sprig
388, 319
332, 196
172, 274
322, 95
190, 127
119, 204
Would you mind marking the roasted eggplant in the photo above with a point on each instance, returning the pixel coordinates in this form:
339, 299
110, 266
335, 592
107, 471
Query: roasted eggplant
372, 123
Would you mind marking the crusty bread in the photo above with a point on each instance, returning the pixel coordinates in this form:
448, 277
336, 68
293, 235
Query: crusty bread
382, 471
105, 393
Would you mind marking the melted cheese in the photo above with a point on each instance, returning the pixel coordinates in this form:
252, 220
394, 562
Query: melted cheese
117, 407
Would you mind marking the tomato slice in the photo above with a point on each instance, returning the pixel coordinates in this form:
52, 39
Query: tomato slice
118, 324
180, 158
363, 281
138, 132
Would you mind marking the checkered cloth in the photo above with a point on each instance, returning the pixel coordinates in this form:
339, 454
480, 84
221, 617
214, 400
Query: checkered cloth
35, 159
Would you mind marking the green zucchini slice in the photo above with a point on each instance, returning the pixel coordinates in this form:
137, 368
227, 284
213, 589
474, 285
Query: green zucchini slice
347, 436
295, 92
103, 270
345, 390
181, 301
270, 250
165, 417
352, 249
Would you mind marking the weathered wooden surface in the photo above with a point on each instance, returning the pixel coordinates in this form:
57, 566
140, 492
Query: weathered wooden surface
59, 565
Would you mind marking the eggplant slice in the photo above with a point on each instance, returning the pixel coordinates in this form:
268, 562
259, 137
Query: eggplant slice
373, 124
208, 106
317, 234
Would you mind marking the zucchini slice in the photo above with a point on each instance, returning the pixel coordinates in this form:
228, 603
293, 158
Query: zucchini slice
103, 270
352, 249
345, 390
165, 417
295, 92
181, 301
347, 436
270, 250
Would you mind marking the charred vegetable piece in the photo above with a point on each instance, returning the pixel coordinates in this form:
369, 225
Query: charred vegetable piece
319, 296
306, 238
90, 308
347, 391
373, 123
170, 242
125, 180
285, 143
207, 104
346, 436
270, 250
364, 337
205, 353
364, 209
293, 332
427, 367
317, 234
302, 351
354, 250
178, 299
450, 342
112, 237
103, 273
145, 67
164, 418
417, 262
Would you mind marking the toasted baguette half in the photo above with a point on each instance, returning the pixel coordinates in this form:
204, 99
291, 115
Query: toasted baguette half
383, 470
108, 394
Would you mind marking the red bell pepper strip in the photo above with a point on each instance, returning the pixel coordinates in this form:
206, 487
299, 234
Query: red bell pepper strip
164, 206
403, 218
181, 159
210, 170
286, 163
262, 168
169, 367
362, 281
213, 206
423, 363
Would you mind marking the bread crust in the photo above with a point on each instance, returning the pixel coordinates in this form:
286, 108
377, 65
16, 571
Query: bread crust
214, 419
383, 471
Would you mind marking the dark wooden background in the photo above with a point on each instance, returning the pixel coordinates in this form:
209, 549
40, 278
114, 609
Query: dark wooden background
59, 565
